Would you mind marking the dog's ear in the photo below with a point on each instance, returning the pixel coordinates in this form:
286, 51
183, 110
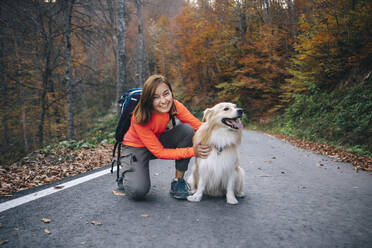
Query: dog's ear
207, 113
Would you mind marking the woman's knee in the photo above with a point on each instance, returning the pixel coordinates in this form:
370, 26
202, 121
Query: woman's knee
187, 129
136, 191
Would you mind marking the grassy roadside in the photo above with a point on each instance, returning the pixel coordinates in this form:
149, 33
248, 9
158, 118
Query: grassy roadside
337, 123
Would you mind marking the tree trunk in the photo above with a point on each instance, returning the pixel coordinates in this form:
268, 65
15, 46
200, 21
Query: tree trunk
267, 11
47, 70
43, 102
241, 8
354, 2
112, 8
24, 120
3, 93
3, 97
140, 44
292, 17
68, 74
22, 95
121, 63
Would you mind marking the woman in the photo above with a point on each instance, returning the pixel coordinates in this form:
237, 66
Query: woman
148, 138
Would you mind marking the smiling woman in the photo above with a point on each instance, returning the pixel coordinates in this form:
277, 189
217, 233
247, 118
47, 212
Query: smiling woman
148, 138
157, 96
163, 99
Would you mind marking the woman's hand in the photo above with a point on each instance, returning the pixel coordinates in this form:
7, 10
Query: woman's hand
202, 151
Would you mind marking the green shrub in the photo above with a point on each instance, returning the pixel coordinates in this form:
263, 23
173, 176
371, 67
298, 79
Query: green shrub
69, 144
342, 117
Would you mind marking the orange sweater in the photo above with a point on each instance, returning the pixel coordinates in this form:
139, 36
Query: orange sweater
147, 135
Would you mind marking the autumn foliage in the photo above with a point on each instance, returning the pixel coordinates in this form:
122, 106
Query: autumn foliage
259, 53
256, 53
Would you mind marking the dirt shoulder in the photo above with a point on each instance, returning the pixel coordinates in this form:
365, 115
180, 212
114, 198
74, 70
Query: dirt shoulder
362, 162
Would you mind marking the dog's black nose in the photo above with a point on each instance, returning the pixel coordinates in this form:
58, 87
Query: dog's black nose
240, 112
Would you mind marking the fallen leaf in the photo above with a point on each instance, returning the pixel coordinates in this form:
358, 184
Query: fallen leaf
96, 223
3, 242
47, 231
319, 165
45, 220
48, 180
118, 193
302, 187
145, 215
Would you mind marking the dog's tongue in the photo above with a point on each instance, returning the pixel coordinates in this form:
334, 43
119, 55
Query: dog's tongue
237, 124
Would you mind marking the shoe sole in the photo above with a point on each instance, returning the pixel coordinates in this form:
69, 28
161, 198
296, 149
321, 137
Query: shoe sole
178, 197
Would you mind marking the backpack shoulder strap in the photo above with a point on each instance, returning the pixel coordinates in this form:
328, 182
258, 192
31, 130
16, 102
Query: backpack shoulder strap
173, 120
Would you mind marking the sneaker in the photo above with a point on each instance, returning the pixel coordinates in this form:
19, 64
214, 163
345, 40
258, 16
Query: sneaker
179, 188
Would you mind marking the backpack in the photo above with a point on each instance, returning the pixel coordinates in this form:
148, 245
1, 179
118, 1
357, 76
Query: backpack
128, 103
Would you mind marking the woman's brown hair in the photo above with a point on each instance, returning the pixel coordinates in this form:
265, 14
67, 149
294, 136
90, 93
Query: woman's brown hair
144, 108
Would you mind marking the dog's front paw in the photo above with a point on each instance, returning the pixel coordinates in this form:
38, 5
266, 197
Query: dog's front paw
240, 194
231, 200
194, 198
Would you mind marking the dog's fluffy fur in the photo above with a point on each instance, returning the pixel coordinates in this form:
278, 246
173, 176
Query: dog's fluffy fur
220, 173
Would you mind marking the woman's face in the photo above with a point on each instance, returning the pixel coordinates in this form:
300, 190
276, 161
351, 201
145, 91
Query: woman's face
163, 99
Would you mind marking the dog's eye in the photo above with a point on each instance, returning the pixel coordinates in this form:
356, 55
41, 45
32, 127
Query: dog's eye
225, 109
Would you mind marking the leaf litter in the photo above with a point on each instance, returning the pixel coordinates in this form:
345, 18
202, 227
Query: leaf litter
40, 167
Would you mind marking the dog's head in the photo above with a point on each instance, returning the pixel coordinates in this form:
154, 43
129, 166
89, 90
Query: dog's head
224, 114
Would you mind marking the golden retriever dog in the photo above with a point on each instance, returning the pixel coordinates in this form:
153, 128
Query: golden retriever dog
219, 174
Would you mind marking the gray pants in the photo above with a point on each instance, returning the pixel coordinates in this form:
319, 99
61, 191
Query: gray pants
135, 160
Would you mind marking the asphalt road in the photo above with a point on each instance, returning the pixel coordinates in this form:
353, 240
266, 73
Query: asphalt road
294, 198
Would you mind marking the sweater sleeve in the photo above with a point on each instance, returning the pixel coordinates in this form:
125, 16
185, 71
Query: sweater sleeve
153, 144
184, 115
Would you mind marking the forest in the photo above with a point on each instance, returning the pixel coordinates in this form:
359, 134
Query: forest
297, 67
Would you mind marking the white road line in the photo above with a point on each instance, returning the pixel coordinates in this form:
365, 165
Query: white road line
27, 198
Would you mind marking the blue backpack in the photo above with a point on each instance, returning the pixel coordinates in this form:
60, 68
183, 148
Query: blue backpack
128, 103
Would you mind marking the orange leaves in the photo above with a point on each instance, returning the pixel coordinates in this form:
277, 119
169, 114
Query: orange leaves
197, 44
